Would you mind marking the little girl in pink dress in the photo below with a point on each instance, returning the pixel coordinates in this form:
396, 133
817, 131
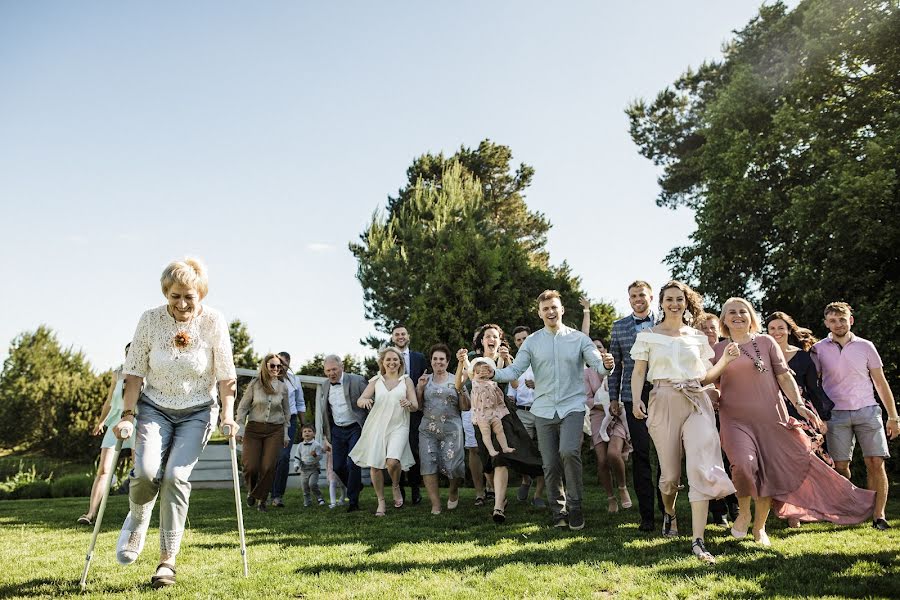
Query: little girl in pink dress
488, 404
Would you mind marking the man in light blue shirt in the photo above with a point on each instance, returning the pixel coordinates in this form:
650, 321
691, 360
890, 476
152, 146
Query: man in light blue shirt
557, 355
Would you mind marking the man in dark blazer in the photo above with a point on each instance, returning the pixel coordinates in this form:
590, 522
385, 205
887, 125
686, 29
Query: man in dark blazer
339, 423
624, 332
415, 364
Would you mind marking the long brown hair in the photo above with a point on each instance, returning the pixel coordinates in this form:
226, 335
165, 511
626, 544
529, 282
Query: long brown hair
693, 301
798, 336
265, 378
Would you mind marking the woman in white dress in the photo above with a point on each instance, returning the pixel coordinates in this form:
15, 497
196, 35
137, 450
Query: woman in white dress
384, 442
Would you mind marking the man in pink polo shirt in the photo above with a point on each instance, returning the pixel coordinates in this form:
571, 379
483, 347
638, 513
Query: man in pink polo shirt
850, 366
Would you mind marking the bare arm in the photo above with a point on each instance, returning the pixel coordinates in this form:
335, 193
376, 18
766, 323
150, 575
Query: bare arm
788, 385
107, 405
227, 391
713, 375
586, 315
367, 397
887, 398
411, 396
638, 375
465, 403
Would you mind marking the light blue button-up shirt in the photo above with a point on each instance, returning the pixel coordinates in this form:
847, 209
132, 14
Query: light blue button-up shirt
558, 363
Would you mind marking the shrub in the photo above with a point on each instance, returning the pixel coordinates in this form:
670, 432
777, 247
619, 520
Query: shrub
72, 485
39, 488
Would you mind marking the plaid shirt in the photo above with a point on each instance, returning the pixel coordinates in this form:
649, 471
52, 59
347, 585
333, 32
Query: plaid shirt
620, 343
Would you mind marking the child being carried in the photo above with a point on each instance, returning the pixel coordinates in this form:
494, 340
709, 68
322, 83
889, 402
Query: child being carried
488, 405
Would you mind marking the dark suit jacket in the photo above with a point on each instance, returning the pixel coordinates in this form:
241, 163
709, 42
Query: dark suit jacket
620, 343
417, 365
353, 385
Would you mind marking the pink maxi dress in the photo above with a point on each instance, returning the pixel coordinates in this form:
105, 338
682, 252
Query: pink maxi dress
770, 456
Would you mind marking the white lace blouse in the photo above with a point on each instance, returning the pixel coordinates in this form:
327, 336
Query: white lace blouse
677, 358
180, 378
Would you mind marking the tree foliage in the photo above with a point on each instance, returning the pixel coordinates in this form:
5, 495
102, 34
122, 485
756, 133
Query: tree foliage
454, 251
49, 397
242, 346
787, 150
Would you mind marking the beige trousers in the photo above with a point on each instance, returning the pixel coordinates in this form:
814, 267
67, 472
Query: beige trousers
680, 416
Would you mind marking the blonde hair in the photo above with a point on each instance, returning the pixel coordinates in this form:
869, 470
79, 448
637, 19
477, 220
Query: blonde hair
381, 356
189, 272
839, 308
548, 295
754, 319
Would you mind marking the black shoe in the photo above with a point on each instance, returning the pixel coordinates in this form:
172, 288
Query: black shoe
489, 494
353, 507
251, 501
560, 522
416, 496
880, 525
262, 507
576, 519
721, 521
647, 525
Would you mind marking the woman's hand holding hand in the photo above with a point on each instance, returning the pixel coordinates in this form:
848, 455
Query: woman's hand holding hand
365, 403
503, 351
461, 354
638, 409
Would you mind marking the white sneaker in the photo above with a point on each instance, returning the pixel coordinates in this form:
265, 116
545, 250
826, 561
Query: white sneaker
130, 543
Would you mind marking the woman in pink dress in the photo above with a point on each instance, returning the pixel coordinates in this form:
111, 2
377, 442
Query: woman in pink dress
771, 458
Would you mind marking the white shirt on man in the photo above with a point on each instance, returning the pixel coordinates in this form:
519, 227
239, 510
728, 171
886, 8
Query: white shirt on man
339, 409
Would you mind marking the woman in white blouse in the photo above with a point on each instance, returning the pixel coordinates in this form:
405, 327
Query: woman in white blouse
676, 358
181, 354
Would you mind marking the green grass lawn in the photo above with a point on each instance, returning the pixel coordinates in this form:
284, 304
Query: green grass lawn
318, 553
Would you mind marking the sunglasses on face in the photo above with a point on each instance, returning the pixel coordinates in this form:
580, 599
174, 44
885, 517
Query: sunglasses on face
274, 366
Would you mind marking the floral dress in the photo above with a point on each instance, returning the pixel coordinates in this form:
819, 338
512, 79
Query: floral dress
441, 432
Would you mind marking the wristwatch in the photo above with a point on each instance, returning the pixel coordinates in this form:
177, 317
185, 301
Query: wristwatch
126, 413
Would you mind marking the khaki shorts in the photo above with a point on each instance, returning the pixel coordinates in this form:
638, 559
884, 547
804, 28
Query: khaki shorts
864, 425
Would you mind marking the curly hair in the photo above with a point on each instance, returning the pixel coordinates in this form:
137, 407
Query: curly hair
693, 301
798, 336
477, 340
439, 348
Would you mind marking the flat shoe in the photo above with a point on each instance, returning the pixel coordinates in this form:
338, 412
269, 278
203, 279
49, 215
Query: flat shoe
452, 504
85, 520
738, 534
479, 500
158, 581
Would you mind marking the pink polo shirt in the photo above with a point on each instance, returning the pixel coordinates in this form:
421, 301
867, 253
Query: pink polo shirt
845, 373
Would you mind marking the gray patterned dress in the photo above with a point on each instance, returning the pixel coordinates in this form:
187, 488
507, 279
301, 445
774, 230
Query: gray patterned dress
441, 432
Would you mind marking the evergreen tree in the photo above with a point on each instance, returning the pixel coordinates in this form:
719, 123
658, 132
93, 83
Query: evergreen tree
242, 346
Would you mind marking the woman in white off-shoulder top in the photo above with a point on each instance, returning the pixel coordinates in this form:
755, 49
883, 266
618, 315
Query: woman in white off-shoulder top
180, 354
676, 358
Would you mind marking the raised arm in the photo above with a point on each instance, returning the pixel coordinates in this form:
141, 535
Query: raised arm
585, 315
462, 356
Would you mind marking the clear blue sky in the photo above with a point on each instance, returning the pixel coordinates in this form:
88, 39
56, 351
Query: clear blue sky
261, 137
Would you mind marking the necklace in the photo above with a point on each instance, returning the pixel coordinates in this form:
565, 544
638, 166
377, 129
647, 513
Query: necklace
758, 363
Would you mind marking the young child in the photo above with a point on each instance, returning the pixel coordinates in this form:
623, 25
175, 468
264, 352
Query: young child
336, 490
310, 452
488, 405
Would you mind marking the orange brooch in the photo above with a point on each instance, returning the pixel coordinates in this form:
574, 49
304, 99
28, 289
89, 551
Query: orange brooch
182, 340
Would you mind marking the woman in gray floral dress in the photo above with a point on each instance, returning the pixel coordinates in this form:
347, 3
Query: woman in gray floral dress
441, 447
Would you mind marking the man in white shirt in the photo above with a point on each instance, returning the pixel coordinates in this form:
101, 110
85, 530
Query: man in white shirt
339, 423
523, 395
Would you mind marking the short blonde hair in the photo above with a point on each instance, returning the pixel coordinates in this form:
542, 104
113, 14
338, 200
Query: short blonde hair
381, 356
754, 319
189, 272
548, 295
839, 308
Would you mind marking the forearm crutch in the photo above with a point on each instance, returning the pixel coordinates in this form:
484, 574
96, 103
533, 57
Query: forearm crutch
232, 444
98, 521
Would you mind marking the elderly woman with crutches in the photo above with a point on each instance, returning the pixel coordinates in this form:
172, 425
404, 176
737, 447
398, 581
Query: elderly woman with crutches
181, 353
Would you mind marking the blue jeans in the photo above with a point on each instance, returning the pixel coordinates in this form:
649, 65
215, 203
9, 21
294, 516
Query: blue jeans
284, 463
167, 446
343, 439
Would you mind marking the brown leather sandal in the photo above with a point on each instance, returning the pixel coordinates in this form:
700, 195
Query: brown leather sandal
158, 581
